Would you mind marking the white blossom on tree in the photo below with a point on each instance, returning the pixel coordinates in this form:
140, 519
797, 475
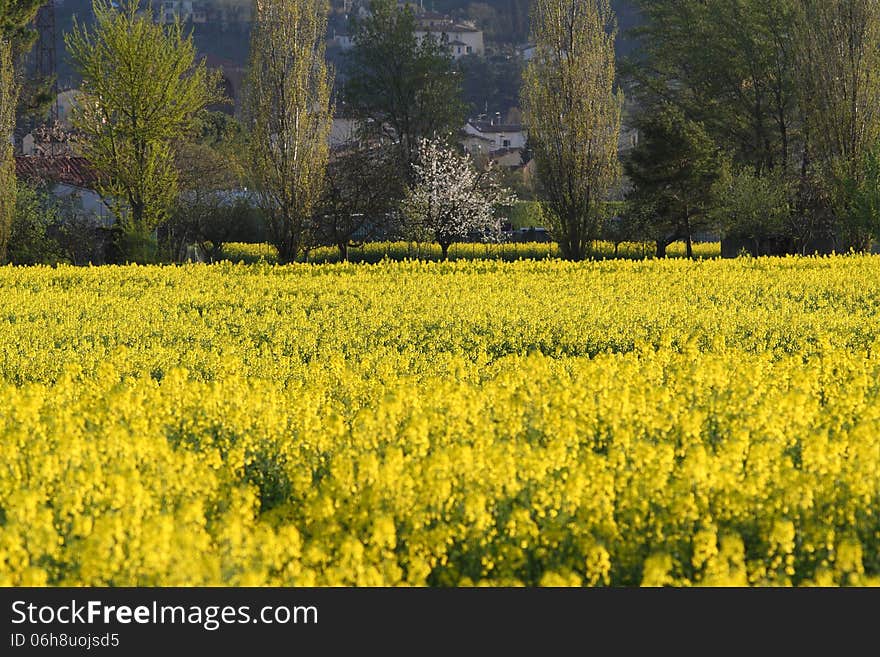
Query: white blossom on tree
451, 200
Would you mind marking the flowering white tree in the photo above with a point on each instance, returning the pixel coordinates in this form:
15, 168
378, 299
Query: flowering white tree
450, 199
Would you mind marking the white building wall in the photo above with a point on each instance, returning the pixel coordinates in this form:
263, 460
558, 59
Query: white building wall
89, 200
501, 139
471, 41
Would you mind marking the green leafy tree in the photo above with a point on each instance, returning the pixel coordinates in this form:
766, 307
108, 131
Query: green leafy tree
672, 171
838, 67
8, 101
16, 22
527, 214
402, 88
36, 214
573, 114
750, 206
289, 115
862, 194
728, 65
142, 89
357, 204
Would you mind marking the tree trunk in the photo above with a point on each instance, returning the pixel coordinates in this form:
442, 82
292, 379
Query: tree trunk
137, 216
343, 251
286, 252
661, 249
288, 242
444, 248
573, 248
689, 243
7, 199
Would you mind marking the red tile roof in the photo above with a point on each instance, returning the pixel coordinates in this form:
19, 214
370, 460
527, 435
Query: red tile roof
74, 171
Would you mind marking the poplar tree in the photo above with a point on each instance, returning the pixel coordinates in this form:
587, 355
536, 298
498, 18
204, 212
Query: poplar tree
8, 101
573, 113
16, 37
288, 112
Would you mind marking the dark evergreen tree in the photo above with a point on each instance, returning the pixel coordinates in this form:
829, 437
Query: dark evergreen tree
672, 171
402, 88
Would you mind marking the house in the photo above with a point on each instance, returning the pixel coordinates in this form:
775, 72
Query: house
507, 158
495, 141
216, 12
72, 178
169, 11
476, 144
495, 134
232, 80
47, 141
462, 37
341, 40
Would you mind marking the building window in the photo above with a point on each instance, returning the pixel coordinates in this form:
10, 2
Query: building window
469, 50
505, 143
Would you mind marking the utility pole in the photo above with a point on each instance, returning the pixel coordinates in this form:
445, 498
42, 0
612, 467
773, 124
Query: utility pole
46, 68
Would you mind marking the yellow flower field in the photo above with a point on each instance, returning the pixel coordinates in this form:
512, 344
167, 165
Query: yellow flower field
374, 252
535, 422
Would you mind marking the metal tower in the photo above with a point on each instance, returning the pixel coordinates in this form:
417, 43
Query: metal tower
46, 68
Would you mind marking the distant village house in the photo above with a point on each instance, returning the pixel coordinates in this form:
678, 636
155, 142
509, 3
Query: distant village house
462, 37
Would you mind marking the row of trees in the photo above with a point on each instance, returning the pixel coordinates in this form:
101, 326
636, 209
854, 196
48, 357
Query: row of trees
400, 176
143, 94
166, 165
758, 118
